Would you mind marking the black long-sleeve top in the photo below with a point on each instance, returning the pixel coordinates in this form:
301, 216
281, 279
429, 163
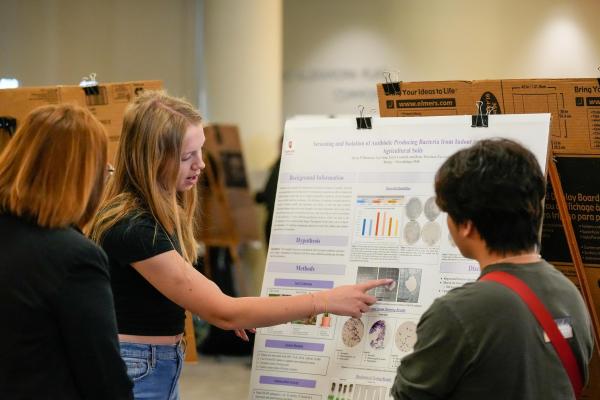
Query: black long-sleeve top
58, 335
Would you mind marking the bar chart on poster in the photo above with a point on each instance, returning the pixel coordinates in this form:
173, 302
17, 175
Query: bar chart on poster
354, 205
377, 217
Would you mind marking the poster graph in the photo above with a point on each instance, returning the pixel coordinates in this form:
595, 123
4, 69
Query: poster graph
378, 217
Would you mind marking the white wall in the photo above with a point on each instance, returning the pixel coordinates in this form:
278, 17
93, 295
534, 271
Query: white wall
244, 62
50, 42
335, 50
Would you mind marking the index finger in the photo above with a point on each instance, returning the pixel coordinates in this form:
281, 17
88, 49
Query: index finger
241, 333
368, 285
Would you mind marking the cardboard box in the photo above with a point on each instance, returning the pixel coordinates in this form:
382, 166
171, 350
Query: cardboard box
108, 104
573, 103
229, 211
575, 131
17, 103
420, 99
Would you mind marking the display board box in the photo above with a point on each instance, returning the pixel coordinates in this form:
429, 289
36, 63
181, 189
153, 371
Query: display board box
573, 103
229, 210
421, 99
107, 103
17, 103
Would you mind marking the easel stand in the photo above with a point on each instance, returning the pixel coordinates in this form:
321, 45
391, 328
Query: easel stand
191, 355
230, 240
574, 249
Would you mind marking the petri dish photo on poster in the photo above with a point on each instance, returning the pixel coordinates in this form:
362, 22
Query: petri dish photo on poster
352, 332
406, 336
412, 232
414, 208
377, 335
431, 233
431, 210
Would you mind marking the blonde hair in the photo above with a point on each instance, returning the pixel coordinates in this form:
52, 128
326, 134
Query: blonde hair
52, 171
146, 170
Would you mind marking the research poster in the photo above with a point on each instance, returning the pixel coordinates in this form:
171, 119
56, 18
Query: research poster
354, 205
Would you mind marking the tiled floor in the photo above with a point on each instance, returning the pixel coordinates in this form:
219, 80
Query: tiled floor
216, 378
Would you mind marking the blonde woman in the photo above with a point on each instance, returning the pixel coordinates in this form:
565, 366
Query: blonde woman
58, 330
146, 226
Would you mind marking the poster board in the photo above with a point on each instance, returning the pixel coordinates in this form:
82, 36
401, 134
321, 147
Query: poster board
354, 205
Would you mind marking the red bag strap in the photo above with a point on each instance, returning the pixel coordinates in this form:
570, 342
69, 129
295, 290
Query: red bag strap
564, 351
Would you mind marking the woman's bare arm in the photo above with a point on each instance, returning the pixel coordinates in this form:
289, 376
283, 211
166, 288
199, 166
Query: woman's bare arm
170, 274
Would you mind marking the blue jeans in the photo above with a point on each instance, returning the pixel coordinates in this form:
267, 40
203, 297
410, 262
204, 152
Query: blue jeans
154, 369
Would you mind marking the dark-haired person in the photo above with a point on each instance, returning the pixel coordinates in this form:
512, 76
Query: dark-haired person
58, 329
146, 226
481, 341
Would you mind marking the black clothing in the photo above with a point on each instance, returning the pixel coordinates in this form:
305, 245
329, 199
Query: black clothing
141, 309
481, 341
58, 335
268, 195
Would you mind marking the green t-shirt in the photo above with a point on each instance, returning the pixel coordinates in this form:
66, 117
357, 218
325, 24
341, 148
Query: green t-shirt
480, 341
